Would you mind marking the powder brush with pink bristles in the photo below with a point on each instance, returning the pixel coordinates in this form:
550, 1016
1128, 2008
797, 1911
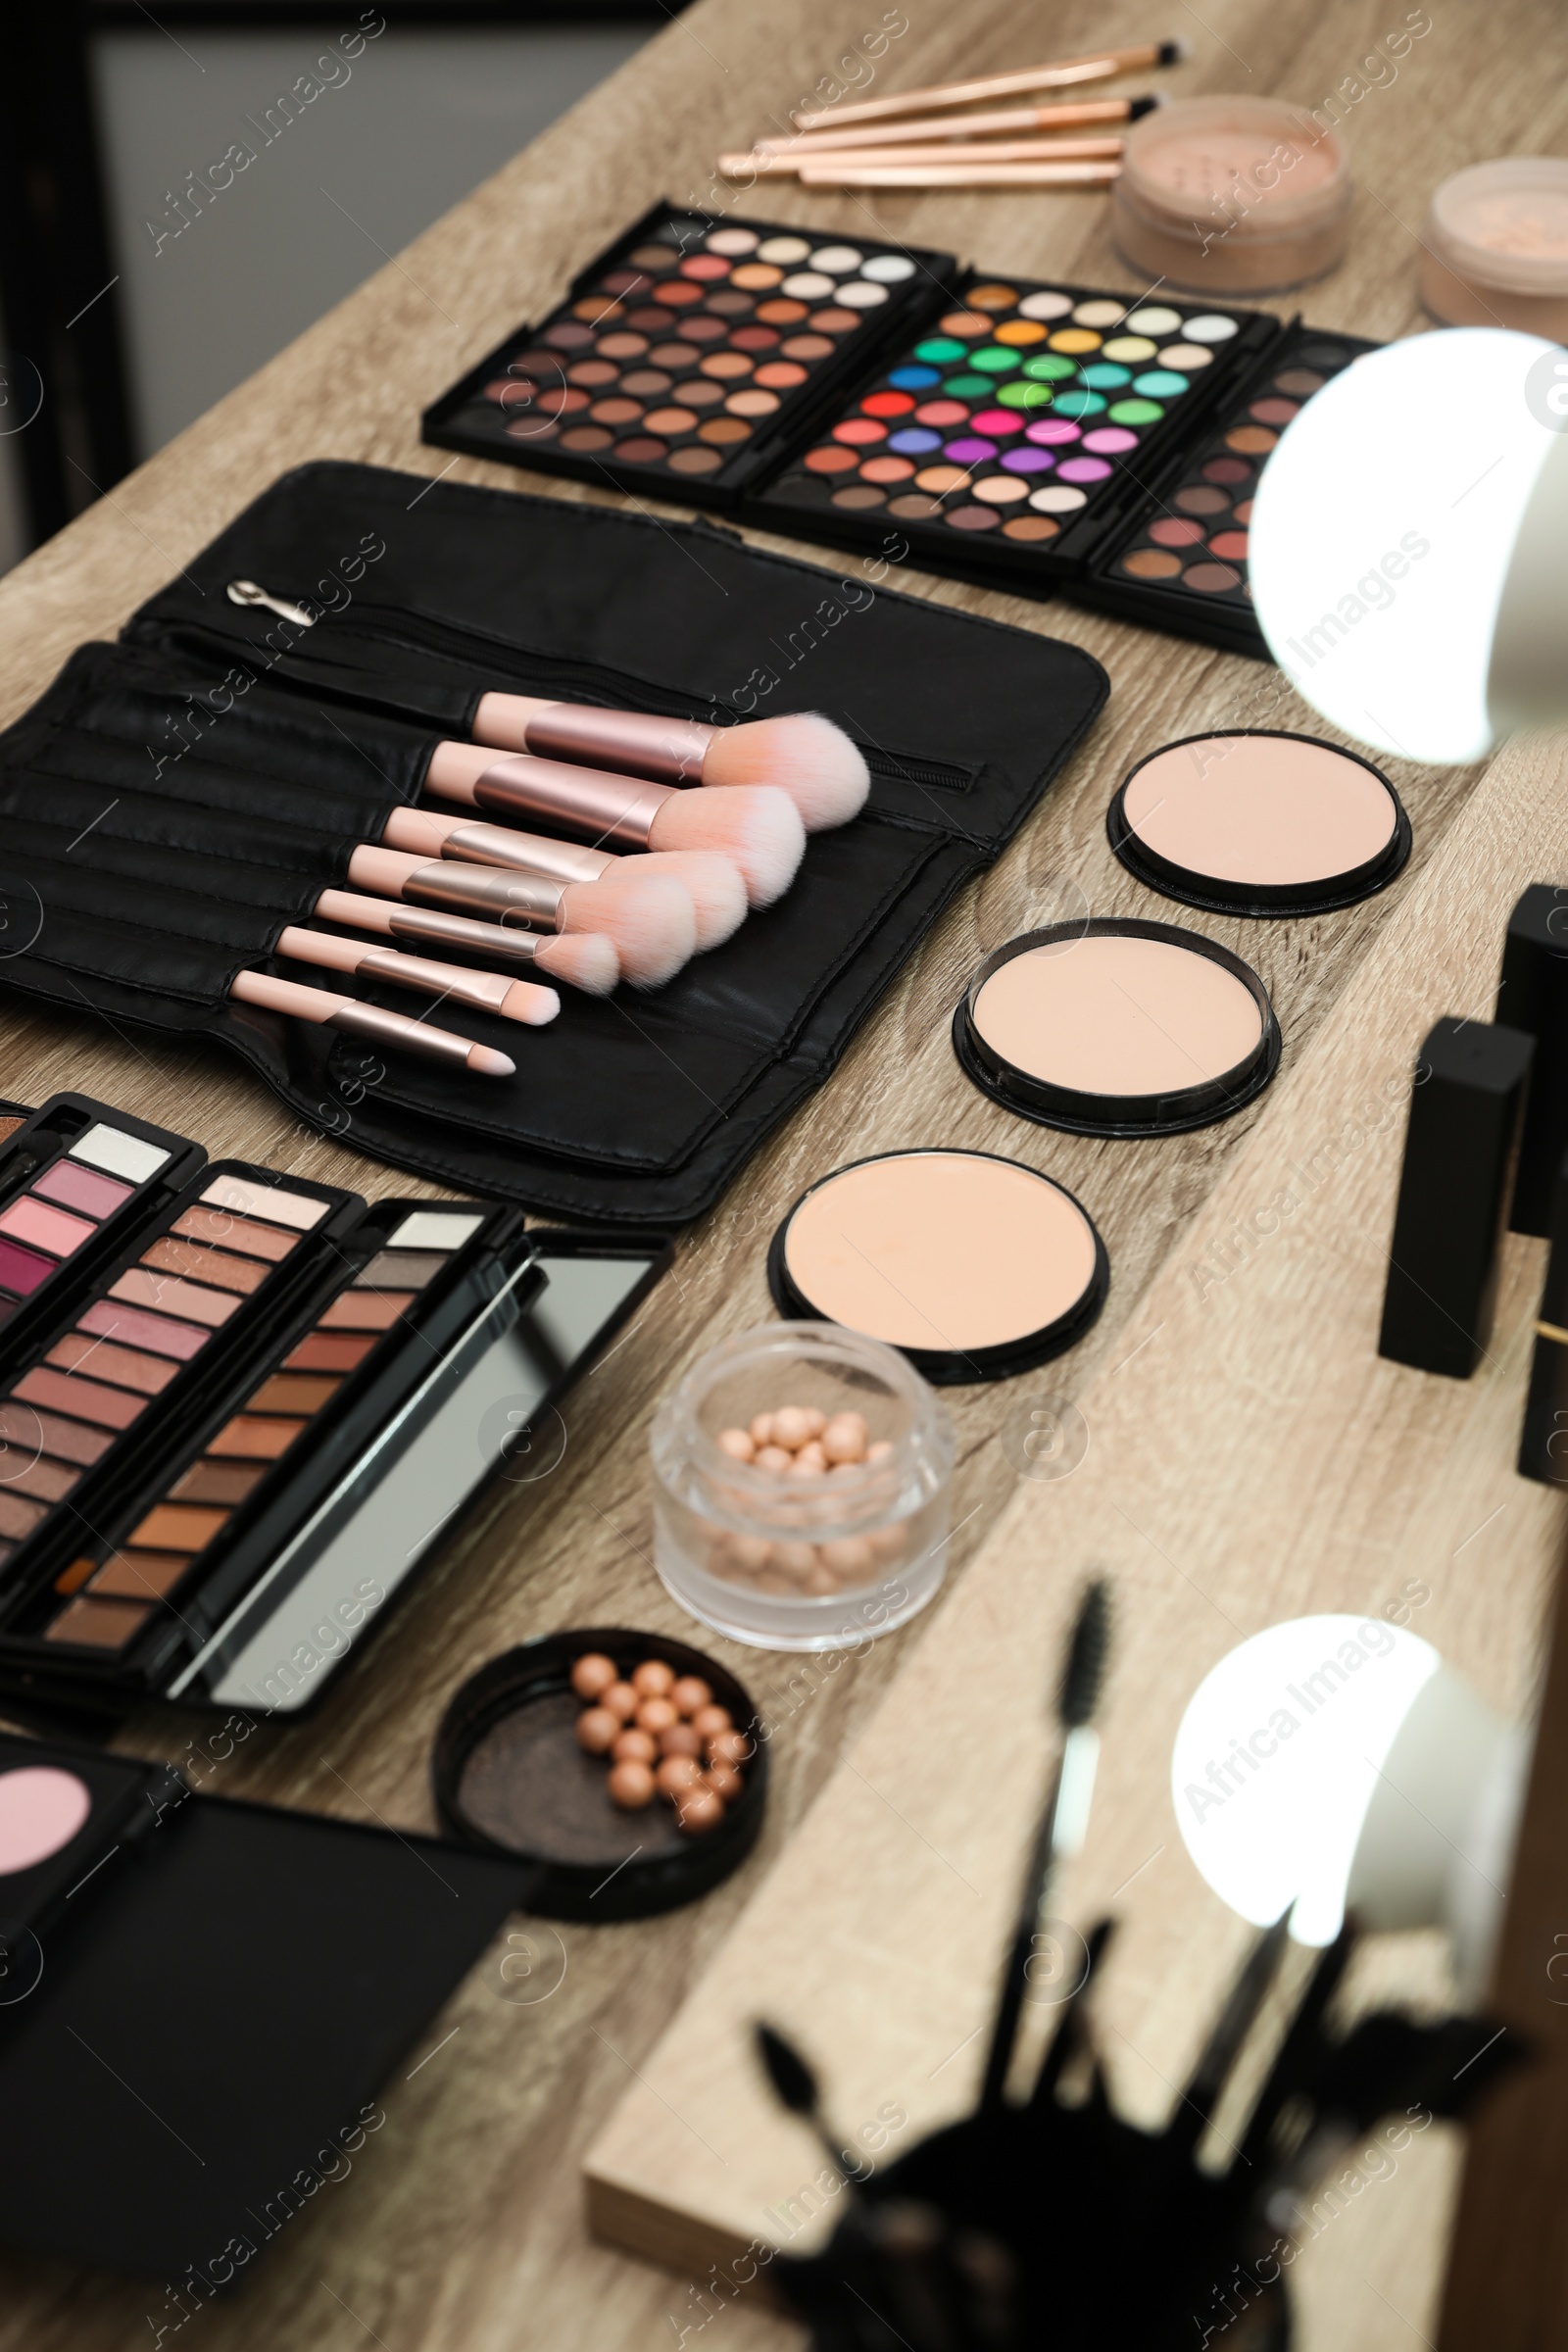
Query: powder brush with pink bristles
804, 754
713, 884
649, 919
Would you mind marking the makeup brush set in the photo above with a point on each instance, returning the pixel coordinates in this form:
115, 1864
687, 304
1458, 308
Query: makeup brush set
1044, 2217
660, 813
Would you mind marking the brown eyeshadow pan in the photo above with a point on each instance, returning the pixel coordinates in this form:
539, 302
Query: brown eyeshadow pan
364, 1310
18, 1516
252, 1439
97, 1624
219, 1266
127, 1367
292, 1392
216, 1481
24, 1427
141, 1574
50, 1481
82, 1399
329, 1351
176, 1527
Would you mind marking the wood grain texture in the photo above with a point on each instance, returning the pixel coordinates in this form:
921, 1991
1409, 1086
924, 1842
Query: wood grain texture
461, 2222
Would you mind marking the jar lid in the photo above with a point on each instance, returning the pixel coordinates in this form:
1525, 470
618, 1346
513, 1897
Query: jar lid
1248, 168
509, 1777
1504, 223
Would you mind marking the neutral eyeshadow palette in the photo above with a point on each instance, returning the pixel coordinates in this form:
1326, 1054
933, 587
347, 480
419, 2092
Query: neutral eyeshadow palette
1022, 432
258, 1420
689, 356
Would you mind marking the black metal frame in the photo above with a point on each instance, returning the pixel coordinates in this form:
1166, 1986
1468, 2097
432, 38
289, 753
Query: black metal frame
62, 320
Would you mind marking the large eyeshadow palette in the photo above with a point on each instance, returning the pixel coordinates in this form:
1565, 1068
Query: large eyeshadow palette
76, 1178
1175, 554
1015, 415
259, 1424
691, 354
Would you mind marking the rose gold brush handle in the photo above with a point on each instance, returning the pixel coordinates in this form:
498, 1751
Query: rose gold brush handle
319, 1006
606, 808
630, 743
532, 899
491, 992
416, 830
395, 921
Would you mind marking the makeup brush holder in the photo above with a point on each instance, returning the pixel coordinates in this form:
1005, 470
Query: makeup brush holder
176, 802
802, 1557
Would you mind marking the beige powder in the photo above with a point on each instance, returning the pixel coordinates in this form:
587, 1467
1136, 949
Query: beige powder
1118, 1015
940, 1249
1259, 809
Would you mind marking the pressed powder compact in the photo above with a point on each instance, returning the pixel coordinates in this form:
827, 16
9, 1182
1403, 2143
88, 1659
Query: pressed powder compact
1116, 1027
514, 1776
975, 1266
1260, 822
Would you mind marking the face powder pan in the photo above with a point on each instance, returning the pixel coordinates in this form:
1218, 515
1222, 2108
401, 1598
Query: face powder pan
975, 1266
1260, 822
511, 1778
1116, 1027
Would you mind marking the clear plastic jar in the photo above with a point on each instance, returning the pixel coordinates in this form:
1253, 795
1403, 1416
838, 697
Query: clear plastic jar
796, 1561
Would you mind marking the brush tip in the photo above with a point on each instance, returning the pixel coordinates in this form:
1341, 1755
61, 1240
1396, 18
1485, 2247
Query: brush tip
583, 959
1172, 53
524, 1001
756, 827
1144, 106
713, 884
493, 1065
805, 754
648, 917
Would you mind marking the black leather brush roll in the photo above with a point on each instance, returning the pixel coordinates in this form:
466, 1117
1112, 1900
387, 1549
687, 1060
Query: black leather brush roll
174, 801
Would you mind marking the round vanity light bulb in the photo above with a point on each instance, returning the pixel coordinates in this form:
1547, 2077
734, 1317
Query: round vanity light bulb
1277, 1758
1406, 544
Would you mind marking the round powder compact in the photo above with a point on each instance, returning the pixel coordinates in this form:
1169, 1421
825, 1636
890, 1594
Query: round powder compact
1114, 1027
974, 1266
510, 1776
1249, 821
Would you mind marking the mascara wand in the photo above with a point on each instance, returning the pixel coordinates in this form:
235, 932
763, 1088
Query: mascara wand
1064, 1823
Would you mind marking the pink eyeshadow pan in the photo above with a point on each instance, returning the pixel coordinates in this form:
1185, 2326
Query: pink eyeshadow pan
22, 1271
107, 1319
143, 1285
45, 1227
81, 1187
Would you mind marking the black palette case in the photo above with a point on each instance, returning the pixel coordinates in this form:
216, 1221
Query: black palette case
174, 801
1118, 470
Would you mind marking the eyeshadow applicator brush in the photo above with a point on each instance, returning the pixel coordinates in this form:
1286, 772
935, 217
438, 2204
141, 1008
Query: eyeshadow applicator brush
756, 827
583, 959
492, 992
317, 1004
714, 886
651, 920
806, 754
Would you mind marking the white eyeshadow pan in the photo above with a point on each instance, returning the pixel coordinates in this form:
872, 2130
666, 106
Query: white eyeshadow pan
888, 268
435, 1229
268, 1200
839, 259
121, 1155
858, 296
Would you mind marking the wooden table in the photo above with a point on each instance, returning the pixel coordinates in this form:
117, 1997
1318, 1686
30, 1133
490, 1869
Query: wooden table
1263, 1462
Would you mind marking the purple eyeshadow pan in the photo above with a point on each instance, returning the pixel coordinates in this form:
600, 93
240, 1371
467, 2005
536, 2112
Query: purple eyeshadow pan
969, 451
19, 1271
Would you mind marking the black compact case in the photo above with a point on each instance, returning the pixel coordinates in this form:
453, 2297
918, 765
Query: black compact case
202, 1999
210, 776
1165, 471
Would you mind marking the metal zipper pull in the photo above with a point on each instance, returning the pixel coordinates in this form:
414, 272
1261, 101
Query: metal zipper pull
246, 592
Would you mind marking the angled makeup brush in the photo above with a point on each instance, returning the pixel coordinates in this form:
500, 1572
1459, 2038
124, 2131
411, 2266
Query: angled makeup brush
806, 754
582, 959
756, 827
1063, 1824
1195, 2109
787, 163
515, 999
650, 922
391, 1029
714, 886
1011, 121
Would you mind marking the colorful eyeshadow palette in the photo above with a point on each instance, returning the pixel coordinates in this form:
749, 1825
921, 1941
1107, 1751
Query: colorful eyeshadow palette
1017, 412
1176, 554
690, 356
222, 1452
77, 1179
